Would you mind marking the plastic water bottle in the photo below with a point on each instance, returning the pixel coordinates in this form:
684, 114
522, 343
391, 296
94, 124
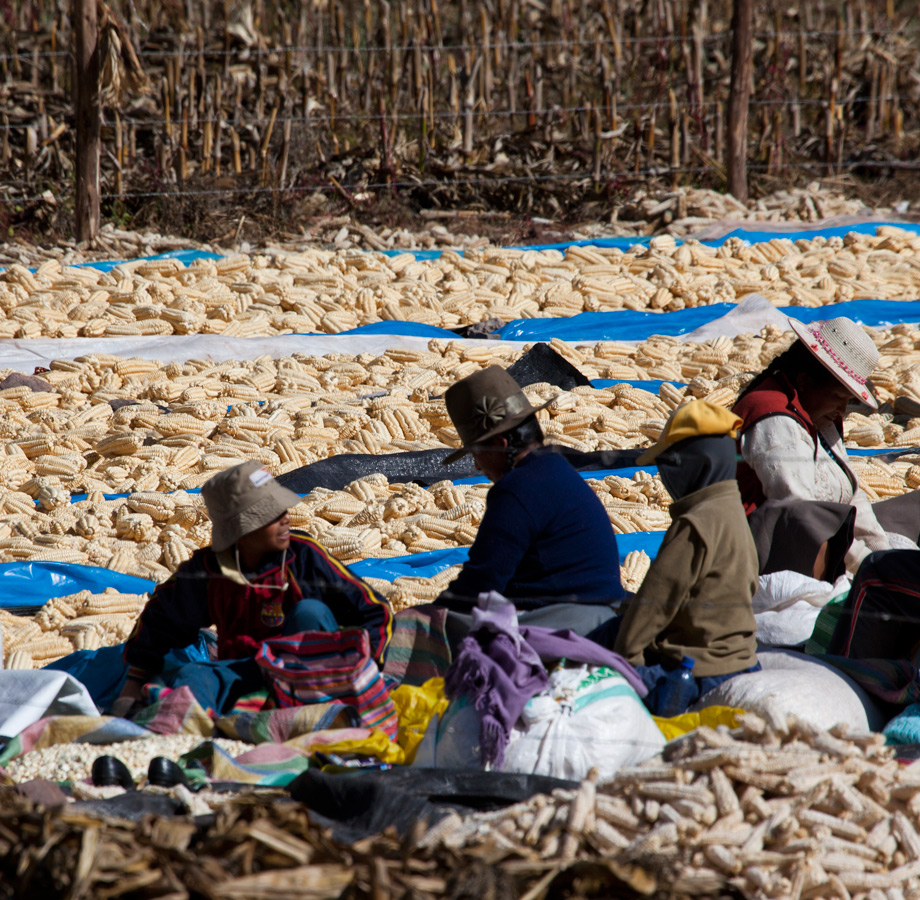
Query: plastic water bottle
679, 691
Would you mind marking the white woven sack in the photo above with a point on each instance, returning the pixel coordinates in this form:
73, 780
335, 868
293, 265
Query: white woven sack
793, 684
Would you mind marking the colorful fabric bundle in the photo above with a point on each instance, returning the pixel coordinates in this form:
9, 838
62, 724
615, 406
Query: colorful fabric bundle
329, 667
280, 725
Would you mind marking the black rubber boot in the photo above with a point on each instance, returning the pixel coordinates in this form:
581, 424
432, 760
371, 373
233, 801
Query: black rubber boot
109, 771
163, 772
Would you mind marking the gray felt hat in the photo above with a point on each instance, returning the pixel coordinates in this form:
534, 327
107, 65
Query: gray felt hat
241, 500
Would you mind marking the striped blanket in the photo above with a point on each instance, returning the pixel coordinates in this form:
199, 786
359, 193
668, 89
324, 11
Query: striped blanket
282, 738
896, 681
329, 667
418, 649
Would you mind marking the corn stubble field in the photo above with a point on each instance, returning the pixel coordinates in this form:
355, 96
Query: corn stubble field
243, 119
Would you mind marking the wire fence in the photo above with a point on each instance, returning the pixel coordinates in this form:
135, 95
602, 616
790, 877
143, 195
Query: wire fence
13, 54
169, 191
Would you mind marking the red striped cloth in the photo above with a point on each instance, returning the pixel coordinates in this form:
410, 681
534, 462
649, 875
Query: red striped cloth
329, 667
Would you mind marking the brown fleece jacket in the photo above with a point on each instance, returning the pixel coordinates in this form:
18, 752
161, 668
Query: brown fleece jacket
696, 599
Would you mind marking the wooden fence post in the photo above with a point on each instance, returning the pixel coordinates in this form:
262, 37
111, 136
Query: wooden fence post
739, 97
86, 88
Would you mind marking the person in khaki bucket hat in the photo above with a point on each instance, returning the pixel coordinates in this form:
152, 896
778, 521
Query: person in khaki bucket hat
258, 579
545, 540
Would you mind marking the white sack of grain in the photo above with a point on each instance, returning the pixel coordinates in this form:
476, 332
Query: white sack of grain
27, 696
793, 684
787, 604
586, 718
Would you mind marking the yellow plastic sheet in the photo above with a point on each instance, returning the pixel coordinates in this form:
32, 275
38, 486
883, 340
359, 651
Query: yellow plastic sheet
377, 743
416, 707
711, 716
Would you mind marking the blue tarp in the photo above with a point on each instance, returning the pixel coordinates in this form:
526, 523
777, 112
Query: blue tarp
632, 325
426, 565
407, 329
34, 583
186, 257
751, 235
24, 584
629, 325
624, 472
651, 386
872, 313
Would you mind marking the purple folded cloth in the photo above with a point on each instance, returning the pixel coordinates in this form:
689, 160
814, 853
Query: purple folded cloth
566, 644
500, 667
498, 671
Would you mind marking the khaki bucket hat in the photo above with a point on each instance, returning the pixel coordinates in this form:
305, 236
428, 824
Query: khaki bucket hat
484, 405
241, 500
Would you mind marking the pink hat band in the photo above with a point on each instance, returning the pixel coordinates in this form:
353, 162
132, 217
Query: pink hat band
829, 350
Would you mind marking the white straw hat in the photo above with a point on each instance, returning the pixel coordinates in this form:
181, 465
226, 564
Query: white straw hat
845, 350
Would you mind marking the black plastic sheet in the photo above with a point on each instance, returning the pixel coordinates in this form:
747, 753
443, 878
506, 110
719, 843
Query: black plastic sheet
365, 802
424, 467
542, 363
421, 466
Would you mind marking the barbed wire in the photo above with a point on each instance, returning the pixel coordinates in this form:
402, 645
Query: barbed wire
480, 113
481, 47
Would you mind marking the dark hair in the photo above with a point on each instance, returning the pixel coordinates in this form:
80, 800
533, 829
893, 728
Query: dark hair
520, 438
796, 361
524, 434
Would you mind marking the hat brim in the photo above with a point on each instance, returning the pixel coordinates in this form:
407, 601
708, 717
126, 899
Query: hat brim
860, 391
225, 534
501, 428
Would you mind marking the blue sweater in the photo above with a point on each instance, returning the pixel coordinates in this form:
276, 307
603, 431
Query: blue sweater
545, 538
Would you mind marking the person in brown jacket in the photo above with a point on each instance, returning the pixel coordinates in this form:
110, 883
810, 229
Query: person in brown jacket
695, 601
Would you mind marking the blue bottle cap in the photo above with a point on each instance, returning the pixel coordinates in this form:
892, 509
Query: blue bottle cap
687, 662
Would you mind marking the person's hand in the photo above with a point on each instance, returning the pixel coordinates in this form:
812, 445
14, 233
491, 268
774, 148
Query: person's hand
131, 694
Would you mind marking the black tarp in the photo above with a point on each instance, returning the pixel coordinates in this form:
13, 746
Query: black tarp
424, 467
542, 363
365, 802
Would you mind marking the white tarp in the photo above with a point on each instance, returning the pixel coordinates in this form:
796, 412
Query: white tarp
29, 695
24, 354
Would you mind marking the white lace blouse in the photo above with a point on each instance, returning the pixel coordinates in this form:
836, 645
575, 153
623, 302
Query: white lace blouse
782, 454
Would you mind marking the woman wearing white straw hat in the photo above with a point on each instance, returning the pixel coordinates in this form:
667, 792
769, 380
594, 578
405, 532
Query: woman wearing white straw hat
804, 504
